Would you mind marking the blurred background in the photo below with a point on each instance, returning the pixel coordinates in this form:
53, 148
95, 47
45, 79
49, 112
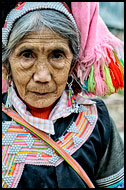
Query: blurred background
113, 15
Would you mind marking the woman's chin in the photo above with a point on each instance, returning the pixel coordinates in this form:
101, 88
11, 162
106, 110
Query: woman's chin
41, 102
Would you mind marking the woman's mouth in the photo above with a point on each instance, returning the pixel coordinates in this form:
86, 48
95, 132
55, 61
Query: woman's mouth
38, 94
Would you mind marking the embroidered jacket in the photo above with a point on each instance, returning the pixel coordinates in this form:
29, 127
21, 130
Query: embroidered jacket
90, 136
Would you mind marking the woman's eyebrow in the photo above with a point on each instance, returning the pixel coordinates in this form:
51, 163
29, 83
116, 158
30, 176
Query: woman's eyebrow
63, 48
23, 48
48, 48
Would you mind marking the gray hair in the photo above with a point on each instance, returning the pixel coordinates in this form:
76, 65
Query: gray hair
37, 20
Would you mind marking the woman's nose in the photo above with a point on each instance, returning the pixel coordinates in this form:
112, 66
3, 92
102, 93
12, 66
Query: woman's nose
42, 74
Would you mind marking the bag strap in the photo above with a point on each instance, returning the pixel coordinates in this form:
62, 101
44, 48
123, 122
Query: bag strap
41, 135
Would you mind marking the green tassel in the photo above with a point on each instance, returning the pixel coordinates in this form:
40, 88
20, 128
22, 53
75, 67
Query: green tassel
122, 62
108, 80
91, 81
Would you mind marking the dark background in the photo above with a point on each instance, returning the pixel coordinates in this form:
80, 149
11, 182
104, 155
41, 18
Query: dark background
6, 7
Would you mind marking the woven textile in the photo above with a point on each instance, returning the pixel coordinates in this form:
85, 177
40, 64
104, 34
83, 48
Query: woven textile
20, 147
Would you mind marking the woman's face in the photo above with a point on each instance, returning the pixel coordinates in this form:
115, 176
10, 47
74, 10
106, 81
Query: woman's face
40, 65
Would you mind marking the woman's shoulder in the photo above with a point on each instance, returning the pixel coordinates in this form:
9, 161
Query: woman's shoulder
100, 107
100, 103
103, 126
103, 113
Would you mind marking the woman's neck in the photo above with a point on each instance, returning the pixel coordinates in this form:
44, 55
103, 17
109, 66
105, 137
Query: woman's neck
42, 113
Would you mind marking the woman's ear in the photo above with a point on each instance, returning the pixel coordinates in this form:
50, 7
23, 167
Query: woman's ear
4, 80
73, 65
6, 71
6, 76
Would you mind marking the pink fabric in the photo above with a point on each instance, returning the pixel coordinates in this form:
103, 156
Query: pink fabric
95, 36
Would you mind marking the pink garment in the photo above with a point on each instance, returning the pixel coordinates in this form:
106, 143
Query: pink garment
92, 28
95, 40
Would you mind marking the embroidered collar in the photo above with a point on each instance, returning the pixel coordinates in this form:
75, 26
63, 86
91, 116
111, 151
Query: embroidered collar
60, 110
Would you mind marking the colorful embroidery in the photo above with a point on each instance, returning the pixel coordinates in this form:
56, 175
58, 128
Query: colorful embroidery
113, 181
23, 148
117, 185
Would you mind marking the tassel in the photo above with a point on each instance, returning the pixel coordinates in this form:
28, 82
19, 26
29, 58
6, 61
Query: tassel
115, 74
122, 62
70, 93
86, 85
108, 80
114, 81
117, 77
69, 100
91, 81
69, 103
101, 87
121, 67
74, 101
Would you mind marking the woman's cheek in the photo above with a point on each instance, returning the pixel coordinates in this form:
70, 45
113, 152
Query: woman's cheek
61, 76
20, 75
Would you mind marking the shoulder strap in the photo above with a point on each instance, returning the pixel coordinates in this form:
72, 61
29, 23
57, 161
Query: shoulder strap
41, 135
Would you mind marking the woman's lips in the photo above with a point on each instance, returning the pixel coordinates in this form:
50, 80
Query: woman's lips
41, 94
38, 93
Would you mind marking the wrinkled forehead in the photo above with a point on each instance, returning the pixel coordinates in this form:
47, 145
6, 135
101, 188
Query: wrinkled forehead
45, 34
45, 38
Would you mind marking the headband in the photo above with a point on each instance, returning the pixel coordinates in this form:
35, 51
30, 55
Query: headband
26, 7
99, 69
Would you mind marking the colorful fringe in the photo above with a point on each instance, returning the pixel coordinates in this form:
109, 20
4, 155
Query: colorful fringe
104, 72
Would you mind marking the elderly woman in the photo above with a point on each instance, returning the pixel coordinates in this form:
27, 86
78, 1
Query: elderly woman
52, 53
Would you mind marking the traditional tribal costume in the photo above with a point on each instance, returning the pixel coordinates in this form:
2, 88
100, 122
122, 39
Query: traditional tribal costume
87, 133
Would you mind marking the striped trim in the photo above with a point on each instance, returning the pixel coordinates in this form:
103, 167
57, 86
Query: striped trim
114, 180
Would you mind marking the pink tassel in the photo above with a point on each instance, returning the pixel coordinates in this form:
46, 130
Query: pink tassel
69, 103
101, 87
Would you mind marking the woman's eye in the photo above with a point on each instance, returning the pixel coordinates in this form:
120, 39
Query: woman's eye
57, 55
27, 55
57, 58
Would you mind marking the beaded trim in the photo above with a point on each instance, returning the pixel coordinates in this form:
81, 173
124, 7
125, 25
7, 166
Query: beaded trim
113, 181
28, 7
23, 148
